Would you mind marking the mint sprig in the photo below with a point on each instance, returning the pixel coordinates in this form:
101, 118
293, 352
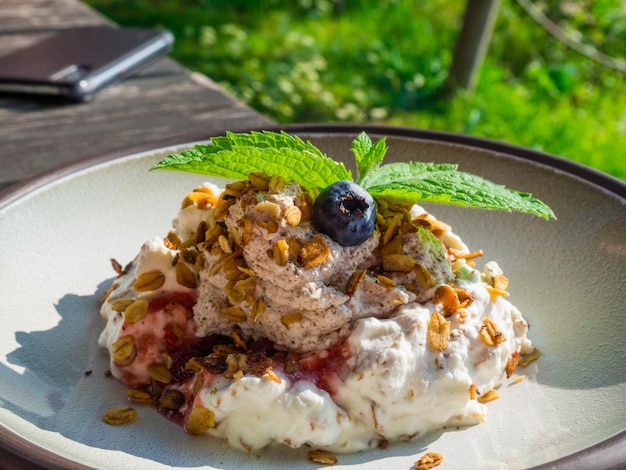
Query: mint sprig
235, 156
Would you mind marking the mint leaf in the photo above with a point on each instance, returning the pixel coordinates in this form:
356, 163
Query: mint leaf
368, 155
235, 156
409, 183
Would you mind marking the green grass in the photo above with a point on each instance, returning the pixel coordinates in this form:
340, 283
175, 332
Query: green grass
385, 62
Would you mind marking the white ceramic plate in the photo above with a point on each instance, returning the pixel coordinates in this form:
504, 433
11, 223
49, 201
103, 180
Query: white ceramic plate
57, 233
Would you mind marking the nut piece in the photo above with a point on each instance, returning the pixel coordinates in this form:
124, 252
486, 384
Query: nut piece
428, 461
119, 416
438, 334
151, 280
322, 457
200, 420
171, 400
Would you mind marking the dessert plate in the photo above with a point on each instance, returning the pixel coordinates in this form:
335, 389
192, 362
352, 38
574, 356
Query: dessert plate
59, 230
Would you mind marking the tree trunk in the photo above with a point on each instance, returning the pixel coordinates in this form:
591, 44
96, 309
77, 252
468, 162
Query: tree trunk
472, 44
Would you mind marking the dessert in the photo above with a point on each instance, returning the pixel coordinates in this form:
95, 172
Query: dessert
300, 308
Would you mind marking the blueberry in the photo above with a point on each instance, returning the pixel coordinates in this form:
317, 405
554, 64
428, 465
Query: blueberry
345, 212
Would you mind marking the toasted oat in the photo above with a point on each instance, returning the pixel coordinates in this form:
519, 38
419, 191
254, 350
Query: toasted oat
393, 247
160, 373
322, 457
271, 226
391, 230
424, 277
438, 333
276, 183
280, 251
528, 358
290, 318
239, 341
200, 420
247, 232
234, 314
124, 350
446, 296
198, 384
151, 280
140, 397
495, 293
472, 392
465, 298
235, 296
511, 363
120, 305
354, 281
136, 311
271, 375
469, 256
428, 461
119, 416
488, 396
258, 307
385, 281
293, 215
313, 253
489, 333
269, 208
500, 282
185, 276
222, 207
400, 263
259, 180
224, 244
236, 188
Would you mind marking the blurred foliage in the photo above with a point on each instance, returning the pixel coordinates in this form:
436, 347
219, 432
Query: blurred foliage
384, 61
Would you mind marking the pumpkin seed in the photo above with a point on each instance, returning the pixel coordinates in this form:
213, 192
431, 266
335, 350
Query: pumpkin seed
171, 400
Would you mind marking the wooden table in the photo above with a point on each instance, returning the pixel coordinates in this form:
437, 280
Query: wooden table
161, 104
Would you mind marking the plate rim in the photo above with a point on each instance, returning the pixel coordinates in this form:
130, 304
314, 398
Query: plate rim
609, 453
